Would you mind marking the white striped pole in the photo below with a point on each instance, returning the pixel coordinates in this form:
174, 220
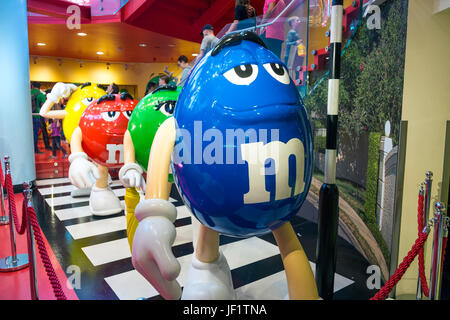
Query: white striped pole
329, 193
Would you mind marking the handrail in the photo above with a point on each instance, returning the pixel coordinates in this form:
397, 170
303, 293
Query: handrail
266, 24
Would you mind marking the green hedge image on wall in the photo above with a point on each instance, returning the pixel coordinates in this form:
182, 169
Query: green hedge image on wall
319, 144
372, 178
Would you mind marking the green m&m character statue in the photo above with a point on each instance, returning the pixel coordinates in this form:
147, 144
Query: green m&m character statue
145, 120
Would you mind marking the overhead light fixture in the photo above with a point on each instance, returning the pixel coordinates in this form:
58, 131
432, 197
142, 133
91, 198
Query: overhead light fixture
142, 45
171, 45
195, 54
41, 44
82, 34
100, 53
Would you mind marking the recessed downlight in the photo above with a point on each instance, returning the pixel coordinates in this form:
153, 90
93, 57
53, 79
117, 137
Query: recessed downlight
195, 54
142, 44
41, 44
82, 34
100, 53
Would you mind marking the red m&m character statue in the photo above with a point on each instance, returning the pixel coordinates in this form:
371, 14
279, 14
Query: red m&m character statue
99, 136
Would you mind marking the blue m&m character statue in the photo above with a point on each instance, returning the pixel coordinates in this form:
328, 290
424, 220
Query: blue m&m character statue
240, 149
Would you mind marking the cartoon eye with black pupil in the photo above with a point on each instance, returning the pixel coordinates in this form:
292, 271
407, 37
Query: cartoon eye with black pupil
278, 72
87, 101
243, 74
127, 113
110, 115
166, 107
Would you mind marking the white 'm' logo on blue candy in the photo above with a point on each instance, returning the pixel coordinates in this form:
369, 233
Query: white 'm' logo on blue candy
256, 155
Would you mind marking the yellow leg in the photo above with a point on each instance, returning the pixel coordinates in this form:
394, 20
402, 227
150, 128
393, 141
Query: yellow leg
103, 181
207, 248
131, 201
300, 278
158, 186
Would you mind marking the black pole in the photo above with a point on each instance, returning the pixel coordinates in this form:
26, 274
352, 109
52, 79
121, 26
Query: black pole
329, 193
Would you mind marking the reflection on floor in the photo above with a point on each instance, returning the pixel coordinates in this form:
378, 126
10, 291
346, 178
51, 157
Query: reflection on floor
99, 247
15, 285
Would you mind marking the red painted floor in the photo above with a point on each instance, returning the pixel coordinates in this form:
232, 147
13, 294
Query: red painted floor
16, 285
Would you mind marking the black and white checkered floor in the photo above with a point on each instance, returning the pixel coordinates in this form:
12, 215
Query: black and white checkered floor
98, 246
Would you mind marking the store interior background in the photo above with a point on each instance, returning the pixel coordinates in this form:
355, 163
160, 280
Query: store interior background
173, 30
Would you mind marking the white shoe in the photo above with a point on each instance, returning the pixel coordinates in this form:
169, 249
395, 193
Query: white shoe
209, 281
104, 202
78, 193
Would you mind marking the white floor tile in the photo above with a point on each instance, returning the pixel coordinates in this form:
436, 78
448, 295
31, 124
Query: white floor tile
89, 229
68, 199
183, 212
132, 285
51, 181
119, 249
339, 281
108, 251
273, 287
65, 200
69, 188
78, 212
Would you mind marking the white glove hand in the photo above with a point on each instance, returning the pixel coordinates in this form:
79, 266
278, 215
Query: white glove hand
80, 169
130, 176
61, 90
152, 254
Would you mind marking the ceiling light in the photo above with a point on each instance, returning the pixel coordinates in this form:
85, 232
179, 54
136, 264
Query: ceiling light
41, 44
100, 53
142, 45
82, 34
171, 45
195, 54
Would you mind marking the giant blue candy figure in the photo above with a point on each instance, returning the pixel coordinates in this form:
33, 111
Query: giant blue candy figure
240, 148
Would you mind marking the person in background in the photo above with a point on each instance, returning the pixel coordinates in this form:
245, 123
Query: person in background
56, 138
37, 100
150, 87
242, 13
112, 89
164, 80
208, 42
273, 35
183, 63
292, 38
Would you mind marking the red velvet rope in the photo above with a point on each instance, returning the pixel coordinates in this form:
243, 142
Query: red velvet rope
57, 290
56, 285
423, 278
395, 278
444, 247
3, 210
1, 175
12, 205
